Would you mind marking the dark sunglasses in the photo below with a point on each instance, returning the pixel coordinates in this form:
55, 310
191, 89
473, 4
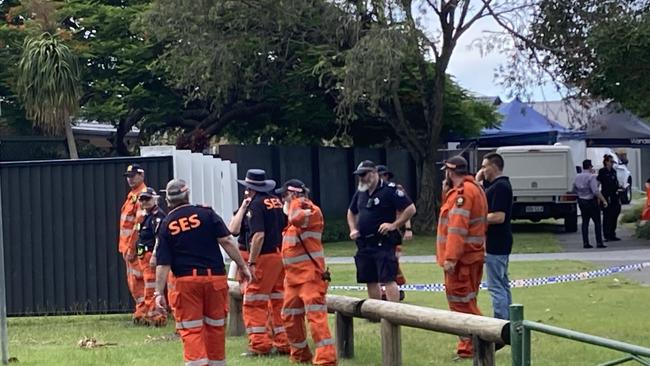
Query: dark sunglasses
145, 198
362, 175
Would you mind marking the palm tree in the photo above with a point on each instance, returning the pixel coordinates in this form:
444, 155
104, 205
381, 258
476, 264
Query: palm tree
49, 86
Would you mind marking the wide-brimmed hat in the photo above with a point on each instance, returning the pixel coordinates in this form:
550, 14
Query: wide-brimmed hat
256, 180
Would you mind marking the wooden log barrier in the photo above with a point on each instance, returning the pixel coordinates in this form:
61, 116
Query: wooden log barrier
485, 332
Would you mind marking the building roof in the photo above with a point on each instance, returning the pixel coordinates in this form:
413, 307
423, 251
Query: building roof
100, 129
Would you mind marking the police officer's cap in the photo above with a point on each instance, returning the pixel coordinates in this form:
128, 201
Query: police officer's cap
149, 192
364, 167
133, 169
383, 170
176, 188
457, 164
292, 185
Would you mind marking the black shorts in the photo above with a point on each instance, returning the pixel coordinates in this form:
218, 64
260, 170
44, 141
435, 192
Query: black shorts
376, 265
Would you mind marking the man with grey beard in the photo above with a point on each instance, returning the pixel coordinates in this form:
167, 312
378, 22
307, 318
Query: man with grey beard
374, 222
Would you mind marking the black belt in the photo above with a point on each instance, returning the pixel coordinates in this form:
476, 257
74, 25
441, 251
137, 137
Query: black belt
202, 272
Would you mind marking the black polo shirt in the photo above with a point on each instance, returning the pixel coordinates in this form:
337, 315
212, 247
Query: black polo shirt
499, 197
265, 215
608, 182
188, 240
379, 207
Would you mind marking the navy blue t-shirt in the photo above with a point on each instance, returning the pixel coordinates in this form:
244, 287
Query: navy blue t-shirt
499, 197
265, 215
379, 207
188, 240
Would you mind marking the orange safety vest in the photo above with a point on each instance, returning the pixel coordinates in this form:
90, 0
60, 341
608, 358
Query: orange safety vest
130, 215
306, 223
462, 224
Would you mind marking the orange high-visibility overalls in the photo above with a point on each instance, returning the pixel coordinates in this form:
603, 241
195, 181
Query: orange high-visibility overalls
461, 238
304, 287
130, 215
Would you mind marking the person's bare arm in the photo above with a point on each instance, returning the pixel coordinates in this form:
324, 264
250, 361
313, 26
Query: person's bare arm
256, 246
235, 222
496, 218
403, 217
352, 224
229, 246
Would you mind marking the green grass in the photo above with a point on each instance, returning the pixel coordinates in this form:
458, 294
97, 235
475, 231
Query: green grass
538, 242
605, 307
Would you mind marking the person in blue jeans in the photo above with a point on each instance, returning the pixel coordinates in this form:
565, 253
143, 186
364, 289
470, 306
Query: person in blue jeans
499, 234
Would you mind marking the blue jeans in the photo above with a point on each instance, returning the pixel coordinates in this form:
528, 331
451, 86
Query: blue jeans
499, 284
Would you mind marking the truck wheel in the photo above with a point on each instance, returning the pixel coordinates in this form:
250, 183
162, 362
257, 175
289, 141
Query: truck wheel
626, 197
571, 223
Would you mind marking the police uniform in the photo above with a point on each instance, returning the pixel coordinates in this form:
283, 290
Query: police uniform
188, 243
609, 188
375, 259
263, 298
146, 241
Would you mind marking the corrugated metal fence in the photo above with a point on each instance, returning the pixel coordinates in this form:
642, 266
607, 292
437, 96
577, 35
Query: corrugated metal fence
60, 221
327, 171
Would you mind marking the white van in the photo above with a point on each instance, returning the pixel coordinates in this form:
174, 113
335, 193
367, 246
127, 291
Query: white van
596, 154
542, 178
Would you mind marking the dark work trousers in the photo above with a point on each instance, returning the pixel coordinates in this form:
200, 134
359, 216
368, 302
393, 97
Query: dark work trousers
590, 211
610, 216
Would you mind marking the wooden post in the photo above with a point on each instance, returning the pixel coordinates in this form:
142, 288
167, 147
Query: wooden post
391, 344
344, 335
235, 317
483, 352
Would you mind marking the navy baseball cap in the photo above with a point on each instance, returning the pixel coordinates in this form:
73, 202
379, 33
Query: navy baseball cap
292, 185
365, 167
133, 169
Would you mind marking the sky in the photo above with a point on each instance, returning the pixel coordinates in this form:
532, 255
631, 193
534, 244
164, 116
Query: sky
476, 73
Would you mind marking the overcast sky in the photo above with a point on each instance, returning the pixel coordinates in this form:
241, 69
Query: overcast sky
476, 73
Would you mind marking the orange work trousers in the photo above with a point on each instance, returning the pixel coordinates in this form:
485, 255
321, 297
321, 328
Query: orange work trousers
153, 316
200, 307
462, 290
135, 281
263, 300
308, 299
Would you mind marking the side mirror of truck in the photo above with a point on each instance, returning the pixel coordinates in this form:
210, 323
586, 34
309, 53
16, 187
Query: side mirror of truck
578, 169
624, 161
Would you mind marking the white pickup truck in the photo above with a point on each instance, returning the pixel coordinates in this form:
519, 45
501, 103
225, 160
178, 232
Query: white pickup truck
542, 178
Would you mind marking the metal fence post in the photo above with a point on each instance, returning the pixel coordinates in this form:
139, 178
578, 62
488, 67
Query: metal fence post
526, 348
4, 338
516, 334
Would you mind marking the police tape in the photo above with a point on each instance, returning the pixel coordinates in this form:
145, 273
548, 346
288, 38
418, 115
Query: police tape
524, 283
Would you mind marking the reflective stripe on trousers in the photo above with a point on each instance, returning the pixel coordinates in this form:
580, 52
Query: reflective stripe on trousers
199, 362
325, 342
466, 298
256, 297
214, 322
254, 330
189, 324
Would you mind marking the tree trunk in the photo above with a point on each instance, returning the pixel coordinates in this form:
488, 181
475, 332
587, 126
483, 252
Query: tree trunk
426, 204
72, 144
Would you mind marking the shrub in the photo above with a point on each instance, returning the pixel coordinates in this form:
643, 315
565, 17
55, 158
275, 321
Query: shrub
643, 230
632, 215
336, 230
